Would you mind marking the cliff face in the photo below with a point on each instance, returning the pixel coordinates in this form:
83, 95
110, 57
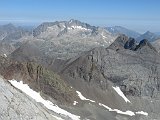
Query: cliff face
39, 79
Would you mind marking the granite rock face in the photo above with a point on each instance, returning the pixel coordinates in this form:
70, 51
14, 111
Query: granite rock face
17, 106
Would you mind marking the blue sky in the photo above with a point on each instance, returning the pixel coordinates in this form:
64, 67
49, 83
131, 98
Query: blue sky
140, 15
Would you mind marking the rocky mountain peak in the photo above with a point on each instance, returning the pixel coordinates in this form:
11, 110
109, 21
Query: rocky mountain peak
144, 43
74, 21
8, 28
124, 42
119, 43
122, 30
148, 32
130, 44
76, 24
9, 25
149, 36
61, 27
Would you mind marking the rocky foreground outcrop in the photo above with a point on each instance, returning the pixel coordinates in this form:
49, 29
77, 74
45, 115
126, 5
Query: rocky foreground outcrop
15, 105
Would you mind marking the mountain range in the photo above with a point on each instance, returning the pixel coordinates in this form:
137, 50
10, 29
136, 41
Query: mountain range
123, 30
130, 33
54, 37
70, 70
149, 36
11, 38
69, 37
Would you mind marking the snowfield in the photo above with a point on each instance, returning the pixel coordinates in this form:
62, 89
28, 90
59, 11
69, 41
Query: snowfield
36, 96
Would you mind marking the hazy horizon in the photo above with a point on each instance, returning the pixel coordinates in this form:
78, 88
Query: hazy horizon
137, 15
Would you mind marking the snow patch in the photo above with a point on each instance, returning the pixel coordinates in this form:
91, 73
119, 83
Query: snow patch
50, 28
75, 102
69, 28
5, 55
142, 113
118, 90
36, 96
130, 113
110, 109
70, 21
104, 36
112, 29
64, 26
82, 97
107, 42
79, 27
